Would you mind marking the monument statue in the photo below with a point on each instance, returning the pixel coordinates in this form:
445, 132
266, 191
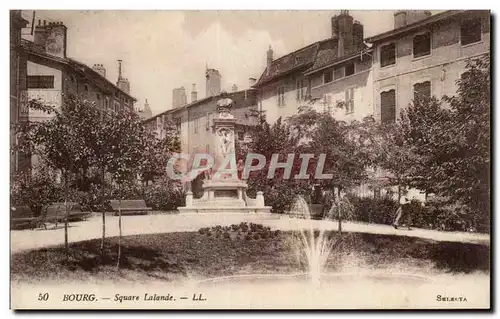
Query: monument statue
221, 193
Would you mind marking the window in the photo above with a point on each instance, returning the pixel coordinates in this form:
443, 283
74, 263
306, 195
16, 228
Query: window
241, 136
422, 90
349, 100
107, 103
349, 69
196, 123
327, 77
40, 82
338, 73
86, 88
388, 54
98, 96
281, 95
301, 89
208, 122
117, 107
388, 107
470, 31
421, 45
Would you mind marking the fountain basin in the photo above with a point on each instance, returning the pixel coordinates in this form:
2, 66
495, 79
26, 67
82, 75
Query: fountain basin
337, 291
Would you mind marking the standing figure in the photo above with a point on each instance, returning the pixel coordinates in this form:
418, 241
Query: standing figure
403, 209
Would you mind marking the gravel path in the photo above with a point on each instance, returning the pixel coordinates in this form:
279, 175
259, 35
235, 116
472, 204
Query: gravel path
163, 223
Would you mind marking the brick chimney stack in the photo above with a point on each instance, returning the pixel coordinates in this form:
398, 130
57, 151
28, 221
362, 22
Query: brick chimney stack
269, 59
52, 37
99, 68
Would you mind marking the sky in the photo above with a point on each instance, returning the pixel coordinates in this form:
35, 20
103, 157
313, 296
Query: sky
163, 50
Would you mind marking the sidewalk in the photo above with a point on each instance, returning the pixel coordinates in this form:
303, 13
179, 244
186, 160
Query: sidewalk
150, 224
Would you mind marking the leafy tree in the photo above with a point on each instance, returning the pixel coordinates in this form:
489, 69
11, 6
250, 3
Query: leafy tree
452, 139
126, 141
60, 141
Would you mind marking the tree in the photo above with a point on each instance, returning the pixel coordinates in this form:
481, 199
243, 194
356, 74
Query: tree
61, 141
126, 142
452, 137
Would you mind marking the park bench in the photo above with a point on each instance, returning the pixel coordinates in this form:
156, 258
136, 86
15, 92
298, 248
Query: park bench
21, 217
130, 207
56, 213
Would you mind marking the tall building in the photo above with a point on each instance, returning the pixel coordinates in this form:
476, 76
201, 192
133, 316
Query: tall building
179, 97
424, 55
17, 79
336, 69
51, 75
213, 82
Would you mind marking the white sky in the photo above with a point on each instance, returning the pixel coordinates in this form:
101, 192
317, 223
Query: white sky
163, 50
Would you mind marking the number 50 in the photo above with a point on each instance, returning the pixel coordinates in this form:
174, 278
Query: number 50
43, 297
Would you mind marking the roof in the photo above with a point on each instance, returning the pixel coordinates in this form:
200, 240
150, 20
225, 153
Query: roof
197, 102
297, 60
78, 66
328, 57
411, 27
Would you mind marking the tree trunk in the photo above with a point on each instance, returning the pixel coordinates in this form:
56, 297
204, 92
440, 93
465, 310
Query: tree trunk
339, 210
119, 227
103, 211
66, 213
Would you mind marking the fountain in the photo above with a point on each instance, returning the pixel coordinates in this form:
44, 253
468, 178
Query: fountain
316, 249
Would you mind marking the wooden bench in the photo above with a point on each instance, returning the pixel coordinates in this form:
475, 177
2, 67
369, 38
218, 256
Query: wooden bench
22, 217
56, 213
130, 207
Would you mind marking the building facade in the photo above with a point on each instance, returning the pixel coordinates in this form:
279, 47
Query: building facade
194, 121
18, 65
51, 75
332, 72
424, 56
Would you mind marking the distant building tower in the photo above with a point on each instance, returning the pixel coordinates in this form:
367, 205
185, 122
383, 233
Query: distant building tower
194, 94
179, 97
144, 112
213, 82
122, 83
234, 88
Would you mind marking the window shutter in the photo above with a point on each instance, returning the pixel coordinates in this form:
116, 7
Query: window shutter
388, 106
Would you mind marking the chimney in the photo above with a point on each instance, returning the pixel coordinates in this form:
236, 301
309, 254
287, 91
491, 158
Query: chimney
251, 82
122, 83
269, 59
51, 37
194, 94
405, 17
345, 32
357, 35
99, 68
335, 27
234, 88
399, 19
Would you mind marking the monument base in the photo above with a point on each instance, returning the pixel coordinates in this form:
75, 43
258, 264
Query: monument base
225, 196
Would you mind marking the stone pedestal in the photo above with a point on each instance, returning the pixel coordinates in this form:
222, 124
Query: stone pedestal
224, 192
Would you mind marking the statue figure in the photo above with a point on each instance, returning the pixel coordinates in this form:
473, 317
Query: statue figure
224, 108
226, 138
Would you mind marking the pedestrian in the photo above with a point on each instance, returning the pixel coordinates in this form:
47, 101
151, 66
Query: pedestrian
403, 209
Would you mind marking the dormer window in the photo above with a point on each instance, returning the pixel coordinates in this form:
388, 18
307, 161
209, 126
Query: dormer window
388, 54
349, 69
421, 45
470, 31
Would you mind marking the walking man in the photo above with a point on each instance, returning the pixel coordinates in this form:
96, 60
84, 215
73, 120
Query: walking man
403, 209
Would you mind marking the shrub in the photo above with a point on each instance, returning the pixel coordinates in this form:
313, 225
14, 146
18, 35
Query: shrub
164, 194
226, 235
35, 189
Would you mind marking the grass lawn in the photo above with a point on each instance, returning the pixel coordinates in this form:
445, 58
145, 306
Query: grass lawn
219, 252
